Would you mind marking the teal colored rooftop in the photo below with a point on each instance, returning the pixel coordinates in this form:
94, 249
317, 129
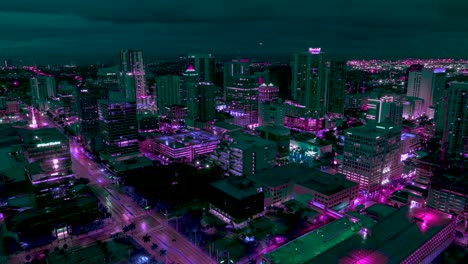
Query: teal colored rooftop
236, 187
311, 245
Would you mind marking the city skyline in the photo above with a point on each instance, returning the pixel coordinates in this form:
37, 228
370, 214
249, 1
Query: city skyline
93, 31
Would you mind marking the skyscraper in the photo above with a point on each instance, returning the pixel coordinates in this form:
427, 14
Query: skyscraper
427, 84
268, 93
118, 126
167, 92
384, 109
205, 64
42, 88
234, 70
242, 100
307, 84
455, 121
336, 87
132, 76
372, 155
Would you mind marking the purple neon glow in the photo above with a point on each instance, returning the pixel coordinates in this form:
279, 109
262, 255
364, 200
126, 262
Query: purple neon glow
439, 70
315, 50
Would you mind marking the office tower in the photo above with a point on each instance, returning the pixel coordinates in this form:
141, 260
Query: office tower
108, 76
42, 88
427, 84
88, 117
449, 194
372, 155
234, 69
189, 78
454, 122
167, 92
205, 65
242, 100
201, 101
118, 127
384, 109
49, 165
268, 93
132, 73
307, 86
336, 87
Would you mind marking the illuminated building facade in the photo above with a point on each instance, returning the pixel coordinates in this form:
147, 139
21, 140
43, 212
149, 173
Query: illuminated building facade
49, 165
427, 84
242, 100
384, 109
271, 113
108, 76
183, 147
308, 73
205, 65
268, 93
118, 127
372, 155
133, 77
298, 117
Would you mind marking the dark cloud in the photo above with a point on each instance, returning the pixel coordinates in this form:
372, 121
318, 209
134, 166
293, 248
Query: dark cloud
168, 27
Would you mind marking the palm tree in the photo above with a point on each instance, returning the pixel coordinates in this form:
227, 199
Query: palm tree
146, 238
154, 246
162, 252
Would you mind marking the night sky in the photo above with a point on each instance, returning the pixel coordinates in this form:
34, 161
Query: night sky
362, 28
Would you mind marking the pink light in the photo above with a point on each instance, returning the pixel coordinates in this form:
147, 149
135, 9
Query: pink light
315, 51
190, 68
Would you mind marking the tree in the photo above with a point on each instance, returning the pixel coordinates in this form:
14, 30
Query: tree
65, 246
146, 238
162, 252
154, 246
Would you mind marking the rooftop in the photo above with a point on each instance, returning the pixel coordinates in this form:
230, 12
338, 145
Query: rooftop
43, 136
310, 245
236, 187
185, 139
247, 141
371, 130
311, 178
279, 130
383, 242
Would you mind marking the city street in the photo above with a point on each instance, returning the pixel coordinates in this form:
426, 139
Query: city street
124, 211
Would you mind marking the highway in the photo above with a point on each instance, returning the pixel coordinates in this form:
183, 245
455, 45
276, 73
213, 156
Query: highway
124, 211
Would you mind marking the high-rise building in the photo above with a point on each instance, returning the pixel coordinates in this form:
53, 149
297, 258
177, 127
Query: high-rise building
88, 116
188, 79
132, 76
205, 65
268, 93
384, 109
108, 76
119, 127
372, 155
167, 92
42, 88
455, 121
336, 87
234, 70
49, 165
427, 84
242, 100
307, 85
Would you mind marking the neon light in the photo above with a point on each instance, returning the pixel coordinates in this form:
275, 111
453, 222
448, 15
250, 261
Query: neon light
48, 144
439, 70
315, 50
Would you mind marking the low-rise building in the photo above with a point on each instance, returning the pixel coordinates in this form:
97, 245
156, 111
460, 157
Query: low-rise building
283, 183
184, 147
281, 136
236, 200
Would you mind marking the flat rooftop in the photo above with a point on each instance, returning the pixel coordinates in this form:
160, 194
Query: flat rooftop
279, 130
237, 187
373, 130
43, 135
245, 141
312, 178
185, 139
311, 245
383, 243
